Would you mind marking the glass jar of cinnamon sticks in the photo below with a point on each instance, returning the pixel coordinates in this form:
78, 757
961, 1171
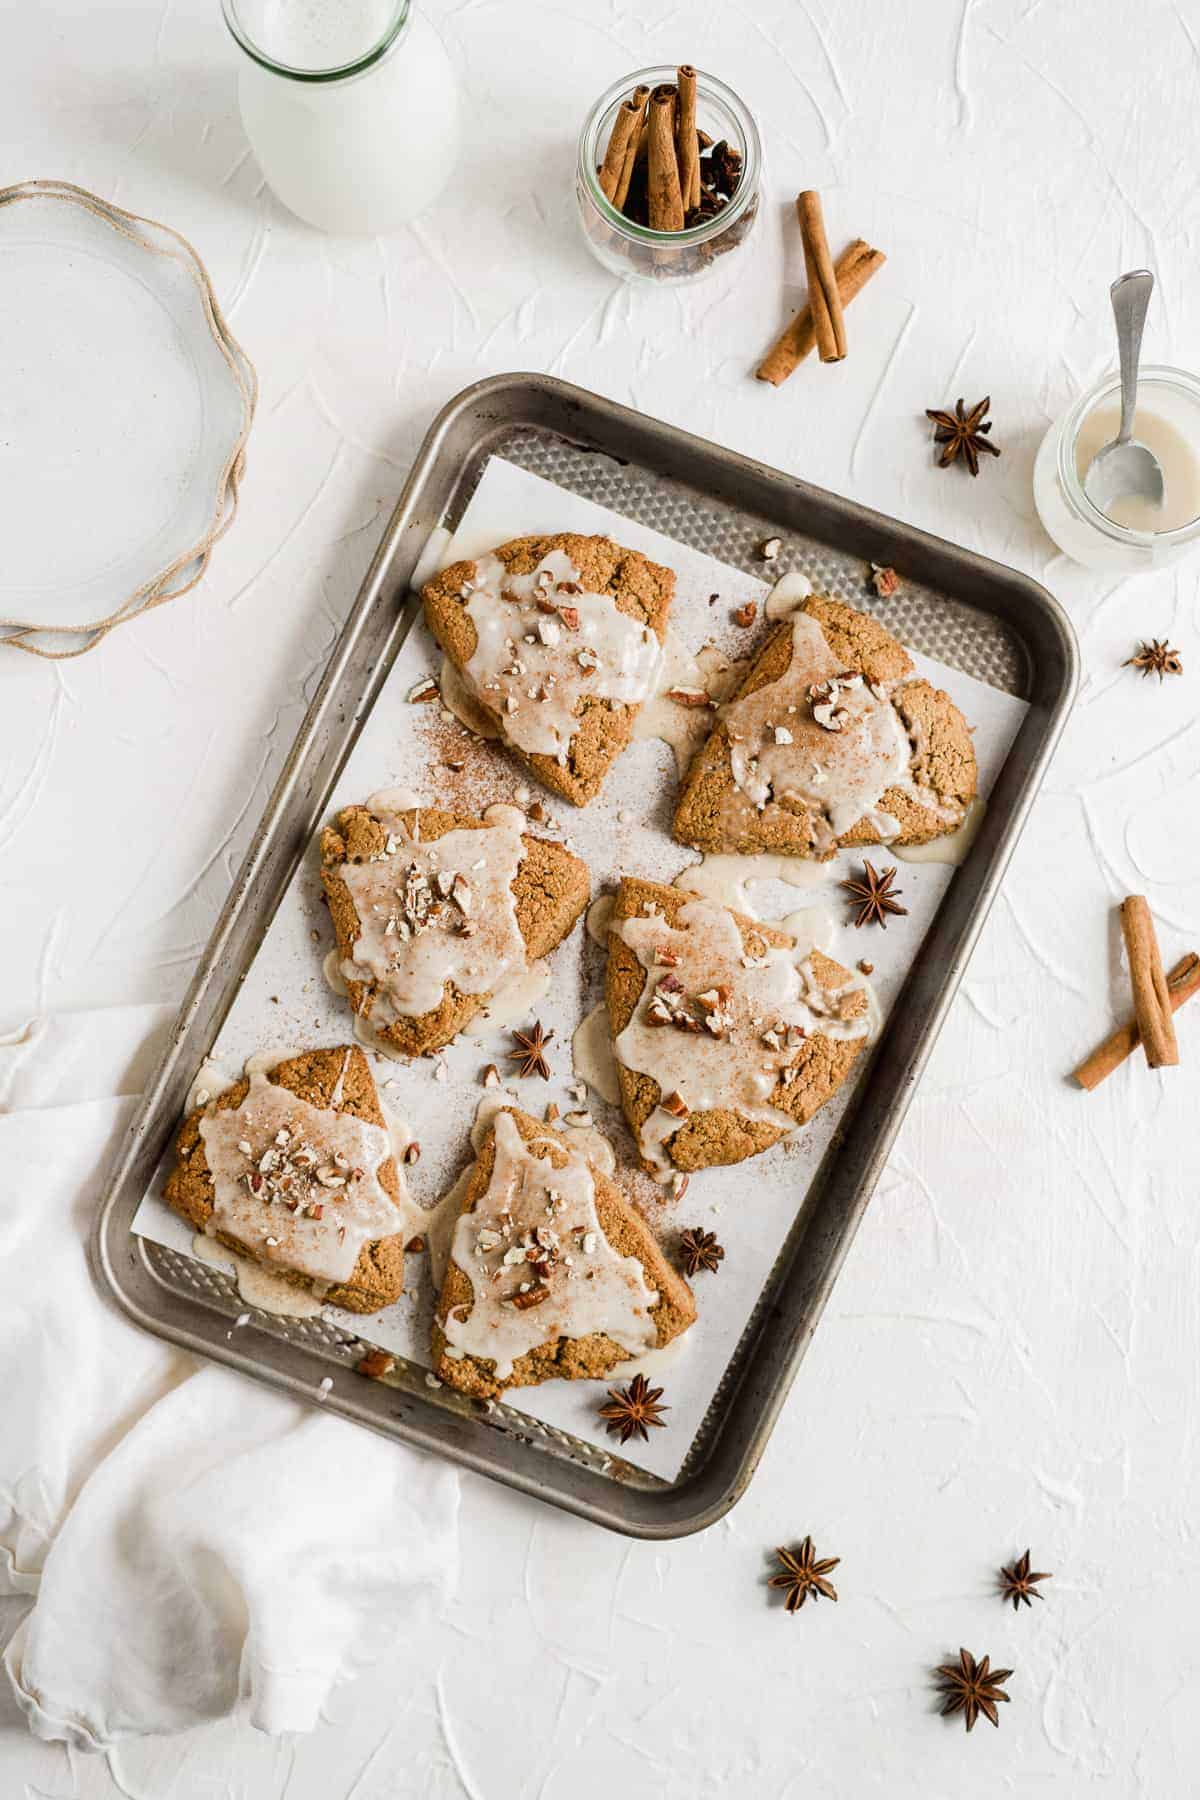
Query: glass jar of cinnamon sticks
668, 173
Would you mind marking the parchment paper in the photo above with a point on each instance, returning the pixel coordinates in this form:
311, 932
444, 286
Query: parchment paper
285, 1004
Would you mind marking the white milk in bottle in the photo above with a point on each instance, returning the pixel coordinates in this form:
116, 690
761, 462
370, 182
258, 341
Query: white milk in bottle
351, 107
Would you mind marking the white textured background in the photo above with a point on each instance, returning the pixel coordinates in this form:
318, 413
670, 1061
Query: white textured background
1012, 1353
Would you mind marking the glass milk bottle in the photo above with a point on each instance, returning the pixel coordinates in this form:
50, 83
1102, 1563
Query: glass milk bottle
351, 107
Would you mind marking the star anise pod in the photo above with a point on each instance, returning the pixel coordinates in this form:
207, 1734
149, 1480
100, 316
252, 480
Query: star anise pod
531, 1051
803, 1575
972, 1688
631, 1409
963, 431
1017, 1582
874, 896
1155, 658
701, 1251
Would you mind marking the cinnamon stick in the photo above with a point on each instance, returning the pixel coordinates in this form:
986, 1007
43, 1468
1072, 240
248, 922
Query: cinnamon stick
687, 147
823, 296
624, 131
853, 269
634, 154
665, 199
1182, 982
1151, 1002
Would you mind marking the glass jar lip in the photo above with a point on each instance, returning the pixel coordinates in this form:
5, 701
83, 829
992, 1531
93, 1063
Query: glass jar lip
338, 72
712, 88
1157, 374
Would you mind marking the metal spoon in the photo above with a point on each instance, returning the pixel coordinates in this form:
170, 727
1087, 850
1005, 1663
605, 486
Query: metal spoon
1126, 469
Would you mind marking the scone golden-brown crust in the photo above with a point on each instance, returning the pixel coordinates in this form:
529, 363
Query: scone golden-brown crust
550, 890
705, 1140
943, 755
570, 1359
378, 1276
639, 588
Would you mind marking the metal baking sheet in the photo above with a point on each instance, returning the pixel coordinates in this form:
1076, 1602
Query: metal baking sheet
985, 620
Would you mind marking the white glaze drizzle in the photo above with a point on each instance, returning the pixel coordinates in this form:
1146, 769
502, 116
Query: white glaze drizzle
825, 736
663, 1359
493, 1100
440, 1223
591, 1144
457, 698
544, 644
788, 595
516, 998
211, 1081
769, 998
685, 721
780, 750
435, 912
598, 918
298, 1184
260, 1286
536, 1230
725, 877
592, 1055
954, 847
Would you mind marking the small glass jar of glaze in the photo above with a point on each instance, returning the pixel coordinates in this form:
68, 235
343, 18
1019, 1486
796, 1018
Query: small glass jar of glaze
351, 107
1168, 421
637, 253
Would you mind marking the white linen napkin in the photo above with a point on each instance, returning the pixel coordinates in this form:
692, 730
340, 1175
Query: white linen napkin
194, 1541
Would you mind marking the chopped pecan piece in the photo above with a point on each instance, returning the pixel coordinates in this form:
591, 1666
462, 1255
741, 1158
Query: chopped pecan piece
826, 699
669, 1006
531, 1297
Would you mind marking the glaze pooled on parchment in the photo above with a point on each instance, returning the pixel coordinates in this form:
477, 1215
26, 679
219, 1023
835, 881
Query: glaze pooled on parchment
680, 711
298, 1184
544, 644
539, 1265
436, 913
720, 1020
268, 1290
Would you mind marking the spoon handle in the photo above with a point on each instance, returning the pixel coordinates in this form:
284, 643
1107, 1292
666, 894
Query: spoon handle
1130, 297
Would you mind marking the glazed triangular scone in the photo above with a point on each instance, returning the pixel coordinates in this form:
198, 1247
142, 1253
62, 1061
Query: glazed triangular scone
436, 911
828, 742
560, 640
551, 1271
293, 1167
726, 1036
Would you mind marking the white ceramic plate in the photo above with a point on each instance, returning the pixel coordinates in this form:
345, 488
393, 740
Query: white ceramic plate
124, 410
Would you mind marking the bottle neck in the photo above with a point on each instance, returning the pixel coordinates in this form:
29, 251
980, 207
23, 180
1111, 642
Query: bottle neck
317, 45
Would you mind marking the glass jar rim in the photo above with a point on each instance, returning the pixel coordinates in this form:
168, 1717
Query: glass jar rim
712, 88
357, 65
1155, 374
